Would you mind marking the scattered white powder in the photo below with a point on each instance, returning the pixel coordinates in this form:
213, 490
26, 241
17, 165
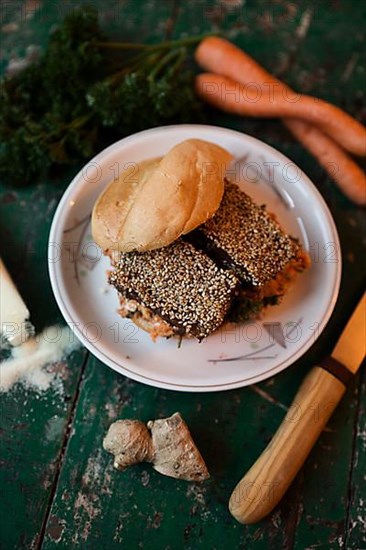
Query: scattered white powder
28, 361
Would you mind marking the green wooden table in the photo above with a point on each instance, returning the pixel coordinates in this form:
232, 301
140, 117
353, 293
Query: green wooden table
58, 487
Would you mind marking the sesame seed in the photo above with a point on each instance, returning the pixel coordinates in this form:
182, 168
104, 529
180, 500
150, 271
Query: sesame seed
246, 238
180, 284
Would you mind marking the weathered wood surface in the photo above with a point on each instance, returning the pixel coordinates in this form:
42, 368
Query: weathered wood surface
58, 487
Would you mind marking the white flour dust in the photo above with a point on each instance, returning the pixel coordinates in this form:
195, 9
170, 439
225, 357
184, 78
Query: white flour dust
28, 361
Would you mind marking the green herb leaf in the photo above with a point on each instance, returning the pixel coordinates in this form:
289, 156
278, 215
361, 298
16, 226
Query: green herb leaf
66, 107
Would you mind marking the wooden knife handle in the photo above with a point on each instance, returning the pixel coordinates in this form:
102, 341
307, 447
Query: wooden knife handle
261, 489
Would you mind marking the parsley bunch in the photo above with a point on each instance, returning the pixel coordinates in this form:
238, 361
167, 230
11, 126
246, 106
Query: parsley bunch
86, 92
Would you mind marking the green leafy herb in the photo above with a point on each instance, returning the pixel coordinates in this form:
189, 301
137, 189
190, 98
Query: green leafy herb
86, 92
244, 308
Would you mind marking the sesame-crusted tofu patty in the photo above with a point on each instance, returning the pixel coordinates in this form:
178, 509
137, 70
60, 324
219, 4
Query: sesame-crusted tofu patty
245, 238
178, 283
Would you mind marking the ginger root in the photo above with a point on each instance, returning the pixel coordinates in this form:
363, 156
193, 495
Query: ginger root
166, 443
130, 443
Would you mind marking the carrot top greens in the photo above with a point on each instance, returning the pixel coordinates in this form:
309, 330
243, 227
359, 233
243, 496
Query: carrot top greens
86, 92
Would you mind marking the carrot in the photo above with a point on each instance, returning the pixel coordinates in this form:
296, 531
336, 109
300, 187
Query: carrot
264, 95
250, 100
339, 165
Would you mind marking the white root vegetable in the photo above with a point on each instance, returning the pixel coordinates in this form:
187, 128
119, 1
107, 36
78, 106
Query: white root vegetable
166, 443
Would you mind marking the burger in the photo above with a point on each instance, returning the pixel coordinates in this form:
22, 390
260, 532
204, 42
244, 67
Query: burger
189, 249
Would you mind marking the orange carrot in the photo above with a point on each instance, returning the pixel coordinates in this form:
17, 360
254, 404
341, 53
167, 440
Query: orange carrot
333, 158
264, 95
339, 165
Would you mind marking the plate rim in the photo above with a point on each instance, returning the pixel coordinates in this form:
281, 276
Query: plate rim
122, 369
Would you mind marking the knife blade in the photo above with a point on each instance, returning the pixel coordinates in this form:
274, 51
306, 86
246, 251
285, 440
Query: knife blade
263, 486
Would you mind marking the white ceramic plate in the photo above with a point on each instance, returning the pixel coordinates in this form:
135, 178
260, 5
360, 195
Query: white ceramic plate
229, 358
